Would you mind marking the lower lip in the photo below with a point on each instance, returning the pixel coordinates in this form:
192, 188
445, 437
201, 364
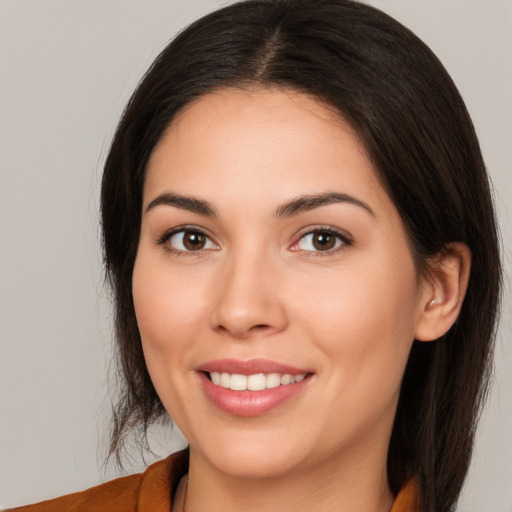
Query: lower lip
250, 403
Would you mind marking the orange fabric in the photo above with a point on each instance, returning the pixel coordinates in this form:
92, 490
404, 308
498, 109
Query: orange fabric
145, 492
151, 492
407, 499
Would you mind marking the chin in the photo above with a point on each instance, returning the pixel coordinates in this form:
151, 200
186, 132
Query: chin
264, 457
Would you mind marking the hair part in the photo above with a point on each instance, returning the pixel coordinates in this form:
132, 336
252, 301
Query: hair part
406, 110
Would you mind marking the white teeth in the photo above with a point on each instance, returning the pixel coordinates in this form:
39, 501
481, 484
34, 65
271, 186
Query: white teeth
256, 382
286, 379
224, 380
273, 380
238, 382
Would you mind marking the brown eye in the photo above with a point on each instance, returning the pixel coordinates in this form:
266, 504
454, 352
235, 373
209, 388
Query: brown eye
193, 241
321, 241
189, 240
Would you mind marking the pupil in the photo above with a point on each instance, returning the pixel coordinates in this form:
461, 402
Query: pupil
193, 240
323, 241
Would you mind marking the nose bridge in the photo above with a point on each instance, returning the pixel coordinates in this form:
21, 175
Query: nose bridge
248, 298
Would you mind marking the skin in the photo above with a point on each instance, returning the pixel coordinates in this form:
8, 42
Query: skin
258, 288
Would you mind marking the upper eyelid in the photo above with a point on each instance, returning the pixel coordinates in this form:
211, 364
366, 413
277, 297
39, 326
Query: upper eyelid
344, 235
346, 239
167, 234
164, 241
185, 227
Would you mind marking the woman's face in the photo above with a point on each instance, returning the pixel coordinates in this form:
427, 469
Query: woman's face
270, 257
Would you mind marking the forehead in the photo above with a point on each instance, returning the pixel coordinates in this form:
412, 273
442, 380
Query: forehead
260, 144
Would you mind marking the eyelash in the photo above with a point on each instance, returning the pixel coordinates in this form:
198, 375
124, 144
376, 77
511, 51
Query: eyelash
182, 229
344, 238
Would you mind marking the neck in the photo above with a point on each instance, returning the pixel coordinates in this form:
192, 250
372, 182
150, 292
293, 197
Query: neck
327, 486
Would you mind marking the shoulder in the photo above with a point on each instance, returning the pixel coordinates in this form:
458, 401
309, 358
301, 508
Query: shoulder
148, 491
121, 492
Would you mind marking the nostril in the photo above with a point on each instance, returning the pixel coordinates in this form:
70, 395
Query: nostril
260, 327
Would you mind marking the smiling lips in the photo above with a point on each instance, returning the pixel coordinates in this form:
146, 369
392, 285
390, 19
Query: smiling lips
251, 388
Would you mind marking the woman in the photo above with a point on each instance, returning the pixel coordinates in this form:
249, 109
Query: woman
300, 237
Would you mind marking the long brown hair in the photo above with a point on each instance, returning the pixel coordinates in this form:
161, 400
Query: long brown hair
409, 115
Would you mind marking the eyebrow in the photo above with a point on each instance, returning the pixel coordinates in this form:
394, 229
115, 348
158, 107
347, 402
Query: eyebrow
185, 203
294, 207
310, 202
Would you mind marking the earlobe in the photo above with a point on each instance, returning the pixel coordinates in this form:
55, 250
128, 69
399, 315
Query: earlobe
444, 291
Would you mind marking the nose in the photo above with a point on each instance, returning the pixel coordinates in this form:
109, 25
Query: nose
249, 298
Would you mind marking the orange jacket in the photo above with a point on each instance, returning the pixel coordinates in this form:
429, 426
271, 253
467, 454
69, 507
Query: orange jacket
151, 491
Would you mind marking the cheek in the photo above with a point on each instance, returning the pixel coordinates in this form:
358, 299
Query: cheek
363, 320
167, 308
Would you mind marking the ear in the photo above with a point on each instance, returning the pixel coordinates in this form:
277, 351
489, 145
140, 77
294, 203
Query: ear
443, 291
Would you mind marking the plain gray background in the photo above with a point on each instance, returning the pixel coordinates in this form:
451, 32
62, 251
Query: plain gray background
67, 68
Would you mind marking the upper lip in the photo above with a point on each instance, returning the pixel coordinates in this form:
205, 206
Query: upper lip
250, 367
